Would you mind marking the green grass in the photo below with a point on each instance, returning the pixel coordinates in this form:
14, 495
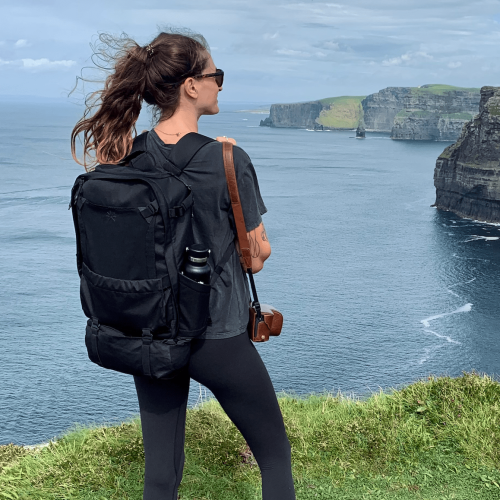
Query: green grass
436, 439
341, 112
341, 100
440, 89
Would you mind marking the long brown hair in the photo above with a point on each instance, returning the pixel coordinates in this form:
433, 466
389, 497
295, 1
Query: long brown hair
152, 73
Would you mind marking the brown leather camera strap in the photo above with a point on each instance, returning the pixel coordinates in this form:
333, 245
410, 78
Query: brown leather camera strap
239, 219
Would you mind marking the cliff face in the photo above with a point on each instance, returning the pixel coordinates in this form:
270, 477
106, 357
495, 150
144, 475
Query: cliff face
298, 115
381, 108
467, 173
428, 125
430, 112
336, 113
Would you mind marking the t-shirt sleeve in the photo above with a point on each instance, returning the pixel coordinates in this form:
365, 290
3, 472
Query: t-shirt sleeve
252, 203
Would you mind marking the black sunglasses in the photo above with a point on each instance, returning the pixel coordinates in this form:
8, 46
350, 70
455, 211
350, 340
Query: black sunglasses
218, 75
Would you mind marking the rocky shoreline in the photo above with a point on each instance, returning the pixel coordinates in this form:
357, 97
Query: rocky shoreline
467, 173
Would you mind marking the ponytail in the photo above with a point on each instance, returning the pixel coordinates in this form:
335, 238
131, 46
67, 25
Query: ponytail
152, 73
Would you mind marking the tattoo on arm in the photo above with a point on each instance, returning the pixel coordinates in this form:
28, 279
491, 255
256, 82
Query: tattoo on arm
254, 244
264, 234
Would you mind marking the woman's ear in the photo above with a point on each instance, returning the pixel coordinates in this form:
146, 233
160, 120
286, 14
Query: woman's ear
189, 86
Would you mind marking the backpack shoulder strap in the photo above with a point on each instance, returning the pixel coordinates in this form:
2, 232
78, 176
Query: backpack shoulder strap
138, 147
184, 151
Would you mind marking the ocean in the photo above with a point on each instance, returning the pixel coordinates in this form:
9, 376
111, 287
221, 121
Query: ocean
378, 289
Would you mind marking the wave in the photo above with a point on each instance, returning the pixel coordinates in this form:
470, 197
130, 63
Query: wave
476, 237
449, 339
465, 308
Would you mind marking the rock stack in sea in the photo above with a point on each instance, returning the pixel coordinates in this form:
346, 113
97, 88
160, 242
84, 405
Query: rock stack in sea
360, 131
467, 173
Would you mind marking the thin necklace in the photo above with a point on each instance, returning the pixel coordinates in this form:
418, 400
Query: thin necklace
166, 133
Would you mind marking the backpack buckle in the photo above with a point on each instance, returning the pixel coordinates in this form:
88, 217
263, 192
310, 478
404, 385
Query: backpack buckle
176, 212
149, 211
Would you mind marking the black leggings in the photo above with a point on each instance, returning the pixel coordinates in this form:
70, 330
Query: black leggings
233, 370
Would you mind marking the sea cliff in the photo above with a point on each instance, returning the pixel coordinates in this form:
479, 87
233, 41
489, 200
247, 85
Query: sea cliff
335, 113
429, 112
296, 115
434, 113
467, 173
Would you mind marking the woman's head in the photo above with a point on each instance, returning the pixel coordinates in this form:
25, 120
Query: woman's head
163, 73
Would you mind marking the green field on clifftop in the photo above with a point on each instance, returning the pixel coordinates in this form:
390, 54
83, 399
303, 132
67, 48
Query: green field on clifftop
435, 439
439, 89
343, 112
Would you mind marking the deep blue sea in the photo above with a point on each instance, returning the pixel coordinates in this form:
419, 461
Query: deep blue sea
377, 288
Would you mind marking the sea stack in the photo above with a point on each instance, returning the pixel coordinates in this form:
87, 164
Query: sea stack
360, 131
467, 173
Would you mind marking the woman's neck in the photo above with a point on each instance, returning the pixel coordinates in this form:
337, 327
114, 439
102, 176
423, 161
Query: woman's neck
177, 126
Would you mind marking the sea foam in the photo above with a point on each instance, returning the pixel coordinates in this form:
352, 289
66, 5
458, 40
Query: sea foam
426, 321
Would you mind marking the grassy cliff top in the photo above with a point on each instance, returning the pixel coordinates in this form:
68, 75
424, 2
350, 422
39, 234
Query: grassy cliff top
437, 439
439, 89
341, 112
341, 100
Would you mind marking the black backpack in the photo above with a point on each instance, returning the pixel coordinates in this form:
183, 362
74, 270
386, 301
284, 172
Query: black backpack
133, 224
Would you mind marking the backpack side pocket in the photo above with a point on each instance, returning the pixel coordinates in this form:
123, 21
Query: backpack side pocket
194, 302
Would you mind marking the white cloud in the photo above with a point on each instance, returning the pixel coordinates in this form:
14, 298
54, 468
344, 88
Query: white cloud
268, 36
331, 45
454, 64
46, 63
38, 64
290, 52
21, 43
459, 33
394, 61
406, 58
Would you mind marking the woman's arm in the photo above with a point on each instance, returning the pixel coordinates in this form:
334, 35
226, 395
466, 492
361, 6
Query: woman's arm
260, 248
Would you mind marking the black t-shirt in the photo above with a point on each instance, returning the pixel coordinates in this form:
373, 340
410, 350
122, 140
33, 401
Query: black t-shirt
213, 225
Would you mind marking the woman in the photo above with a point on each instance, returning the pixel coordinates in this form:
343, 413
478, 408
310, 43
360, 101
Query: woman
176, 75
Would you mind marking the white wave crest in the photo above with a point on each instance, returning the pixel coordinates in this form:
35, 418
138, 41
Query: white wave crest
426, 321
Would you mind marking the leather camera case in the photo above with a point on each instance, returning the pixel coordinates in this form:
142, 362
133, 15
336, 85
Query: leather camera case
270, 325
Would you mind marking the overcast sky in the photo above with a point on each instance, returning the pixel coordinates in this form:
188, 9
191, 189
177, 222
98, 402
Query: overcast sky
270, 50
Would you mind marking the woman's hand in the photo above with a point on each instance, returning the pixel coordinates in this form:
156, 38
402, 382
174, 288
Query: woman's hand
226, 139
